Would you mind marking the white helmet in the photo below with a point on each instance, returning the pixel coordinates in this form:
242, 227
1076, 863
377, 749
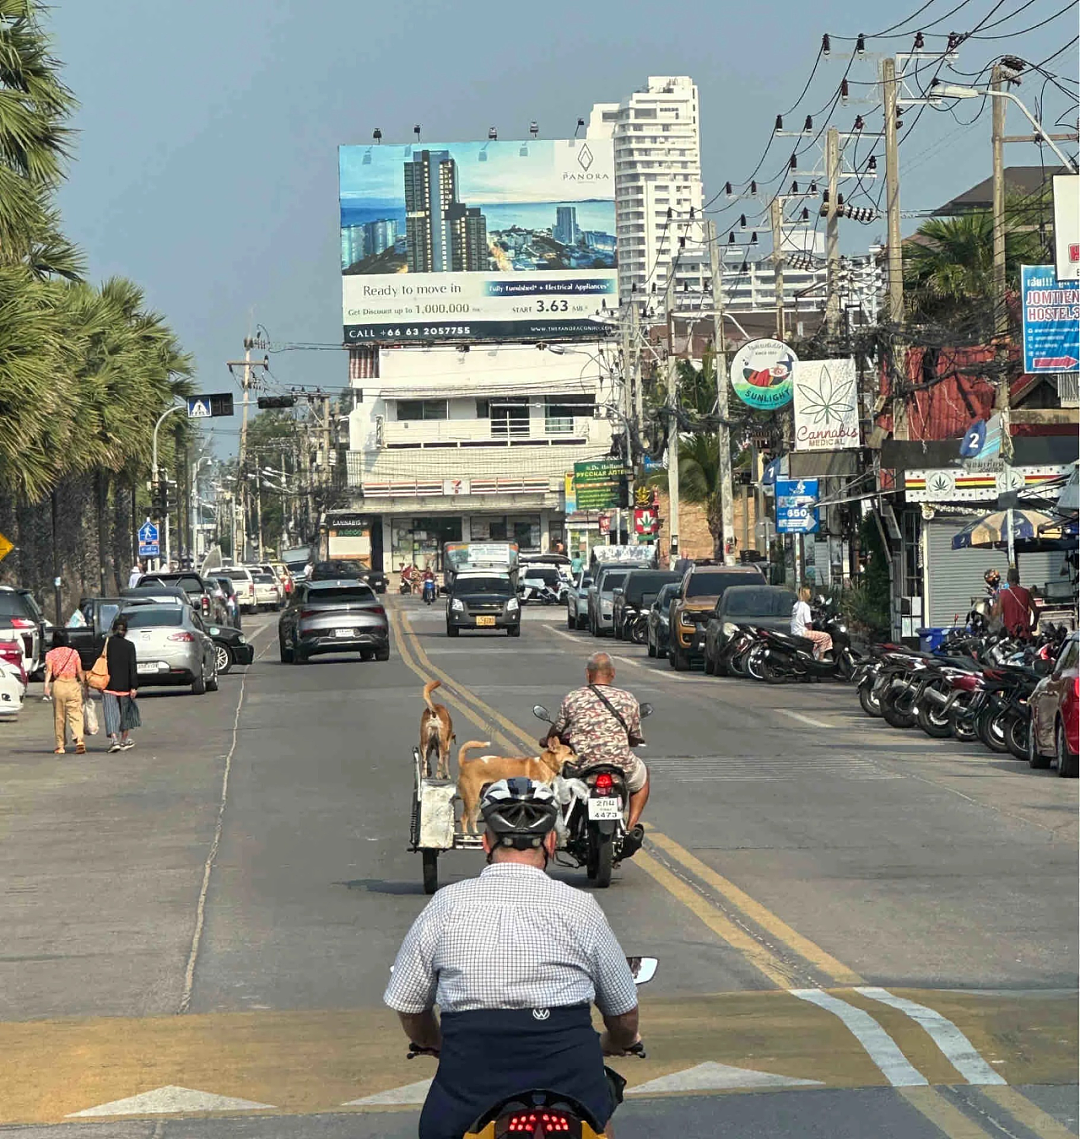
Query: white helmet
519, 811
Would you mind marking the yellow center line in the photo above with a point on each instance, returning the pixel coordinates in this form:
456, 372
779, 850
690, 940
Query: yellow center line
945, 1116
1026, 1113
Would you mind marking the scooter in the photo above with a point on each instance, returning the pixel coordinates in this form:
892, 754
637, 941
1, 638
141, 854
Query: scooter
541, 1112
788, 657
592, 822
429, 590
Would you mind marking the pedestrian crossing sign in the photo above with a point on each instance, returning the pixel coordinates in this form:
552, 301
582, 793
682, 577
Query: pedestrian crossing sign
198, 408
209, 405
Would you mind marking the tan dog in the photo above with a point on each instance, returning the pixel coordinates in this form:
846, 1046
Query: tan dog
474, 774
436, 733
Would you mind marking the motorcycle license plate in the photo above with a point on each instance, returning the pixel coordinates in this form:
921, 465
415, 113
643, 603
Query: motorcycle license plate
605, 809
486, 621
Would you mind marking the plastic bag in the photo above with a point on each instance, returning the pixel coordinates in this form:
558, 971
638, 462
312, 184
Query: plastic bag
90, 717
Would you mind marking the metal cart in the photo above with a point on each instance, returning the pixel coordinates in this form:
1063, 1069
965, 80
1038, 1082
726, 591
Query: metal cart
432, 828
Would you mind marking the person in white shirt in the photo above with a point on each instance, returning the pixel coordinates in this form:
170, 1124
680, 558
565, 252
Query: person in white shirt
800, 625
136, 573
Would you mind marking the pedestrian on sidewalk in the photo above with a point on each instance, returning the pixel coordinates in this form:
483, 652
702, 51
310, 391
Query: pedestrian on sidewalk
136, 573
118, 700
65, 683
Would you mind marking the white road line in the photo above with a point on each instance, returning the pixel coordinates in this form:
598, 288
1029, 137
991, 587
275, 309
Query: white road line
803, 719
564, 633
627, 660
954, 1045
879, 1045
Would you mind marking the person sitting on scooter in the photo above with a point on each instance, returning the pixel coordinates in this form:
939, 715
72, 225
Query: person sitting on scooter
602, 723
513, 959
800, 625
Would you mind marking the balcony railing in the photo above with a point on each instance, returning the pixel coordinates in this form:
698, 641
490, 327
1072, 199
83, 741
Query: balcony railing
518, 431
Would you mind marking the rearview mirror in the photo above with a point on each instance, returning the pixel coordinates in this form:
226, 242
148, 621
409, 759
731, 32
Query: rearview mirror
645, 709
541, 713
642, 969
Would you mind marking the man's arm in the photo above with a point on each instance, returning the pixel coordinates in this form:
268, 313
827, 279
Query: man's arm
622, 1032
422, 1028
414, 982
562, 720
636, 736
616, 993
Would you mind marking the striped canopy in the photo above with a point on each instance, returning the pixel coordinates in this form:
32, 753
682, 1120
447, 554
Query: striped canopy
992, 529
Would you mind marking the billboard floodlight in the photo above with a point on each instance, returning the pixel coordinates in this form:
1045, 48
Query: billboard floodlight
416, 131
493, 134
376, 134
534, 128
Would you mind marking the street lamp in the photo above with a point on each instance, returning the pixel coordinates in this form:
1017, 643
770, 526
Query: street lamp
956, 91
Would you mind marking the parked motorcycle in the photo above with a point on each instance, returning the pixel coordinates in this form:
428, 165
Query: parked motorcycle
788, 657
637, 628
593, 808
536, 591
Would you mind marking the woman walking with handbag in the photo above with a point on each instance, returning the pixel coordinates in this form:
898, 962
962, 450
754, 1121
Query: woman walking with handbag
118, 699
65, 684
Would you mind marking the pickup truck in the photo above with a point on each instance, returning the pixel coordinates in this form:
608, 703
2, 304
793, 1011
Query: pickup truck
702, 587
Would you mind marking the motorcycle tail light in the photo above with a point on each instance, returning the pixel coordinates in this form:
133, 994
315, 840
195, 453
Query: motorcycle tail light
604, 783
181, 637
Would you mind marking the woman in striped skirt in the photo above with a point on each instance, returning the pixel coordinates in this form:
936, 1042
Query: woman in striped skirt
118, 700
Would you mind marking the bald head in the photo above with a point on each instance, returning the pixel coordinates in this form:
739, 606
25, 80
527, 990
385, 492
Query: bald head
599, 669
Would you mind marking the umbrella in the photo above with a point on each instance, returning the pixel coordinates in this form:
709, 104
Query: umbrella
1006, 528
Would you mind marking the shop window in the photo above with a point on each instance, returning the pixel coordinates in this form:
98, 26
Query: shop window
560, 412
421, 409
509, 417
497, 530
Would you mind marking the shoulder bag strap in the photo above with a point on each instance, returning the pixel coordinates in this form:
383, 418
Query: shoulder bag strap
610, 707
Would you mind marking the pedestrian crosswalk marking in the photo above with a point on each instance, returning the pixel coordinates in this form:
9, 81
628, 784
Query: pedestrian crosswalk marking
711, 1076
406, 1094
170, 1100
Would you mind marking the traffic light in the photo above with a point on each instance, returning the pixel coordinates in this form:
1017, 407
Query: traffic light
159, 500
266, 401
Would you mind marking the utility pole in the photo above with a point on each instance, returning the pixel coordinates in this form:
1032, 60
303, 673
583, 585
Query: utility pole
258, 508
997, 136
628, 360
832, 230
673, 428
723, 434
245, 384
776, 218
890, 95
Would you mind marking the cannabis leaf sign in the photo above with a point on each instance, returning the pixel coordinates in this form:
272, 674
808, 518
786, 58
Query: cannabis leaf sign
827, 401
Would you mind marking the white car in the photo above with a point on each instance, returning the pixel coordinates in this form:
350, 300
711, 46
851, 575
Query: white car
22, 621
268, 590
244, 581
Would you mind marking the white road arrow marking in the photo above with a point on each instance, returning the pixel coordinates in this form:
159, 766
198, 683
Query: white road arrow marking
718, 1077
408, 1094
170, 1100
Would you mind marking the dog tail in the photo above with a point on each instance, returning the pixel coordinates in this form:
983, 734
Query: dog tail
428, 689
462, 757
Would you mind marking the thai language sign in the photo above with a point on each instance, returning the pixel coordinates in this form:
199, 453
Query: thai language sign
1051, 312
477, 241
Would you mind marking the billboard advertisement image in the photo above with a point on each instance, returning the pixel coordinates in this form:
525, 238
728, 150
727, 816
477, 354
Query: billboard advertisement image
477, 241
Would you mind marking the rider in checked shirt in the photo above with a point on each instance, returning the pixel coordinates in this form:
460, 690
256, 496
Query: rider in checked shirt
601, 723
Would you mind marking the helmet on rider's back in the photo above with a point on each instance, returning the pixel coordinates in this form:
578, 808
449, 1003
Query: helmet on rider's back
519, 812
992, 578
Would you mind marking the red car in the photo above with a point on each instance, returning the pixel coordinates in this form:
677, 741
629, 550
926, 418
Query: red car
1055, 708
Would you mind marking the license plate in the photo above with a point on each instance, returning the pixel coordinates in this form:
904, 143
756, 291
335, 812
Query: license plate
146, 666
343, 632
608, 808
488, 621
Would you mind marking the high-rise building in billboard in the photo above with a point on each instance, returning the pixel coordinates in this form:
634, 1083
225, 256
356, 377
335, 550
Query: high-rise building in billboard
566, 229
442, 234
657, 137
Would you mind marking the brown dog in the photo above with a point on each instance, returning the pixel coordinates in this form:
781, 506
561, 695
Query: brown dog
474, 774
436, 733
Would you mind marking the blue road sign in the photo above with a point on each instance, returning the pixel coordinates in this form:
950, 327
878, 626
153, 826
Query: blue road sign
149, 540
1051, 320
973, 440
795, 509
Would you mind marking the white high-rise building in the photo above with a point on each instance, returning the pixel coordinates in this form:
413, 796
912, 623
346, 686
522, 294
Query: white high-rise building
658, 190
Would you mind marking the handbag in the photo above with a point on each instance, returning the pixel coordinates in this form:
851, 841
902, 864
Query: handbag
98, 677
90, 720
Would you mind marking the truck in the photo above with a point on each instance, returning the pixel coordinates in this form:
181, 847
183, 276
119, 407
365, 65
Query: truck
480, 584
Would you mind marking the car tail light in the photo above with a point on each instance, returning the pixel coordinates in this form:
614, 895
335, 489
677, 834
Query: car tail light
379, 610
1076, 687
181, 637
21, 623
604, 784
306, 613
206, 606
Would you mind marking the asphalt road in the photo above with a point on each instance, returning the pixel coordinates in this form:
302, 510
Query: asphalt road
861, 931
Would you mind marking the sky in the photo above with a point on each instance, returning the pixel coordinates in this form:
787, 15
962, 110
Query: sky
206, 156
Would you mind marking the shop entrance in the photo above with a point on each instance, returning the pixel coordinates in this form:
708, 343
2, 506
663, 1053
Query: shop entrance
419, 541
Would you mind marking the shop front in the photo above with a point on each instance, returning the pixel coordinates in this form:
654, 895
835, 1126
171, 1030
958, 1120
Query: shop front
418, 540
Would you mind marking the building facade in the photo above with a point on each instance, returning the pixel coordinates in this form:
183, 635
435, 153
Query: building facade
447, 444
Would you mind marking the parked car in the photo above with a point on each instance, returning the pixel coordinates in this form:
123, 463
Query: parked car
244, 584
577, 600
702, 587
764, 606
338, 569
232, 601
166, 594
656, 637
22, 622
609, 577
333, 617
268, 590
1055, 713
172, 647
230, 647
636, 596
201, 592
377, 580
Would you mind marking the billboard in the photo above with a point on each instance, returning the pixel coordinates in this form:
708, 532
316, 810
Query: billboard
1051, 314
826, 405
477, 241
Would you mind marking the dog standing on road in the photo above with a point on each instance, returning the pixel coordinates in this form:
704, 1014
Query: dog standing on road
436, 733
474, 774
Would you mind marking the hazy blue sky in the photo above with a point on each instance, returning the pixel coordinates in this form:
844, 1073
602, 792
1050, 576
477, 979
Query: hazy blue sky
206, 167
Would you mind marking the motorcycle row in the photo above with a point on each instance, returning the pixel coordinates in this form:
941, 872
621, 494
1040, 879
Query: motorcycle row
976, 685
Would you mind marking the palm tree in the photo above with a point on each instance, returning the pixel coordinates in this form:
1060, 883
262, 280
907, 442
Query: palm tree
699, 481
